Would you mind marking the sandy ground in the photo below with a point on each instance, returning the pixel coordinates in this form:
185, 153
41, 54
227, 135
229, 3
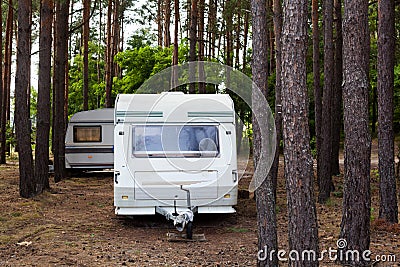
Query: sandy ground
74, 225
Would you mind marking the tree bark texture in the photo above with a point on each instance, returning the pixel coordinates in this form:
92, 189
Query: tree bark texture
317, 81
6, 78
265, 194
86, 33
60, 62
167, 24
202, 86
27, 183
302, 217
43, 102
355, 225
386, 49
192, 42
324, 159
109, 56
337, 94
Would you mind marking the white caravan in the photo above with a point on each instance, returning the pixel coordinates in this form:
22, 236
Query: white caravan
89, 141
174, 154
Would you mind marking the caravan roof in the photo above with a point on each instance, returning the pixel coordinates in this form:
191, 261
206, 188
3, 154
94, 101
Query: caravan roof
174, 107
97, 115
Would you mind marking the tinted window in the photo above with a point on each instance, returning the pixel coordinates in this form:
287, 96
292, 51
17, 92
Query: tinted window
87, 134
176, 141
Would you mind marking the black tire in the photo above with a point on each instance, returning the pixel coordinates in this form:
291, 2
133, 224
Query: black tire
189, 230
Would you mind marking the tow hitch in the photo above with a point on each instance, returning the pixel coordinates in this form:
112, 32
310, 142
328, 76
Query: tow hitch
183, 219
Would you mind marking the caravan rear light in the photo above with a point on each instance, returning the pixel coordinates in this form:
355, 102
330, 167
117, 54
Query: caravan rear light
90, 156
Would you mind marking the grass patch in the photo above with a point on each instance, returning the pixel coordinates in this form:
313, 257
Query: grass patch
70, 244
16, 214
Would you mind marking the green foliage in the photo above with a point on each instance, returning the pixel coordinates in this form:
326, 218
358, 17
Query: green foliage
96, 80
140, 63
141, 38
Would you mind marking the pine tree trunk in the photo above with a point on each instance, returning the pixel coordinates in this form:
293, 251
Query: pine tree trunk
86, 32
159, 23
5, 103
109, 60
324, 161
316, 82
176, 45
337, 95
60, 62
386, 49
245, 36
355, 226
265, 194
202, 86
192, 43
211, 28
302, 217
237, 34
22, 110
167, 24
228, 10
115, 40
43, 102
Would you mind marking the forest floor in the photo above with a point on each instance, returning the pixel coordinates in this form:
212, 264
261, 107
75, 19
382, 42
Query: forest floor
74, 225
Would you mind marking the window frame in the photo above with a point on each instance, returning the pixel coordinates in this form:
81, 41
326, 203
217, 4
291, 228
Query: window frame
76, 127
176, 154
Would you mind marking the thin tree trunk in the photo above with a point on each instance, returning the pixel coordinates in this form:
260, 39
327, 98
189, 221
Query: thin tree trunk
43, 102
99, 78
192, 43
60, 62
22, 110
337, 95
159, 22
277, 10
176, 46
167, 24
228, 10
388, 209
245, 36
115, 39
302, 217
265, 194
317, 83
355, 225
324, 161
214, 28
238, 31
86, 32
109, 60
211, 28
5, 103
202, 86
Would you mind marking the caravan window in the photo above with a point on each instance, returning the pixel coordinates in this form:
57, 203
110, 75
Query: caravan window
175, 141
87, 134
